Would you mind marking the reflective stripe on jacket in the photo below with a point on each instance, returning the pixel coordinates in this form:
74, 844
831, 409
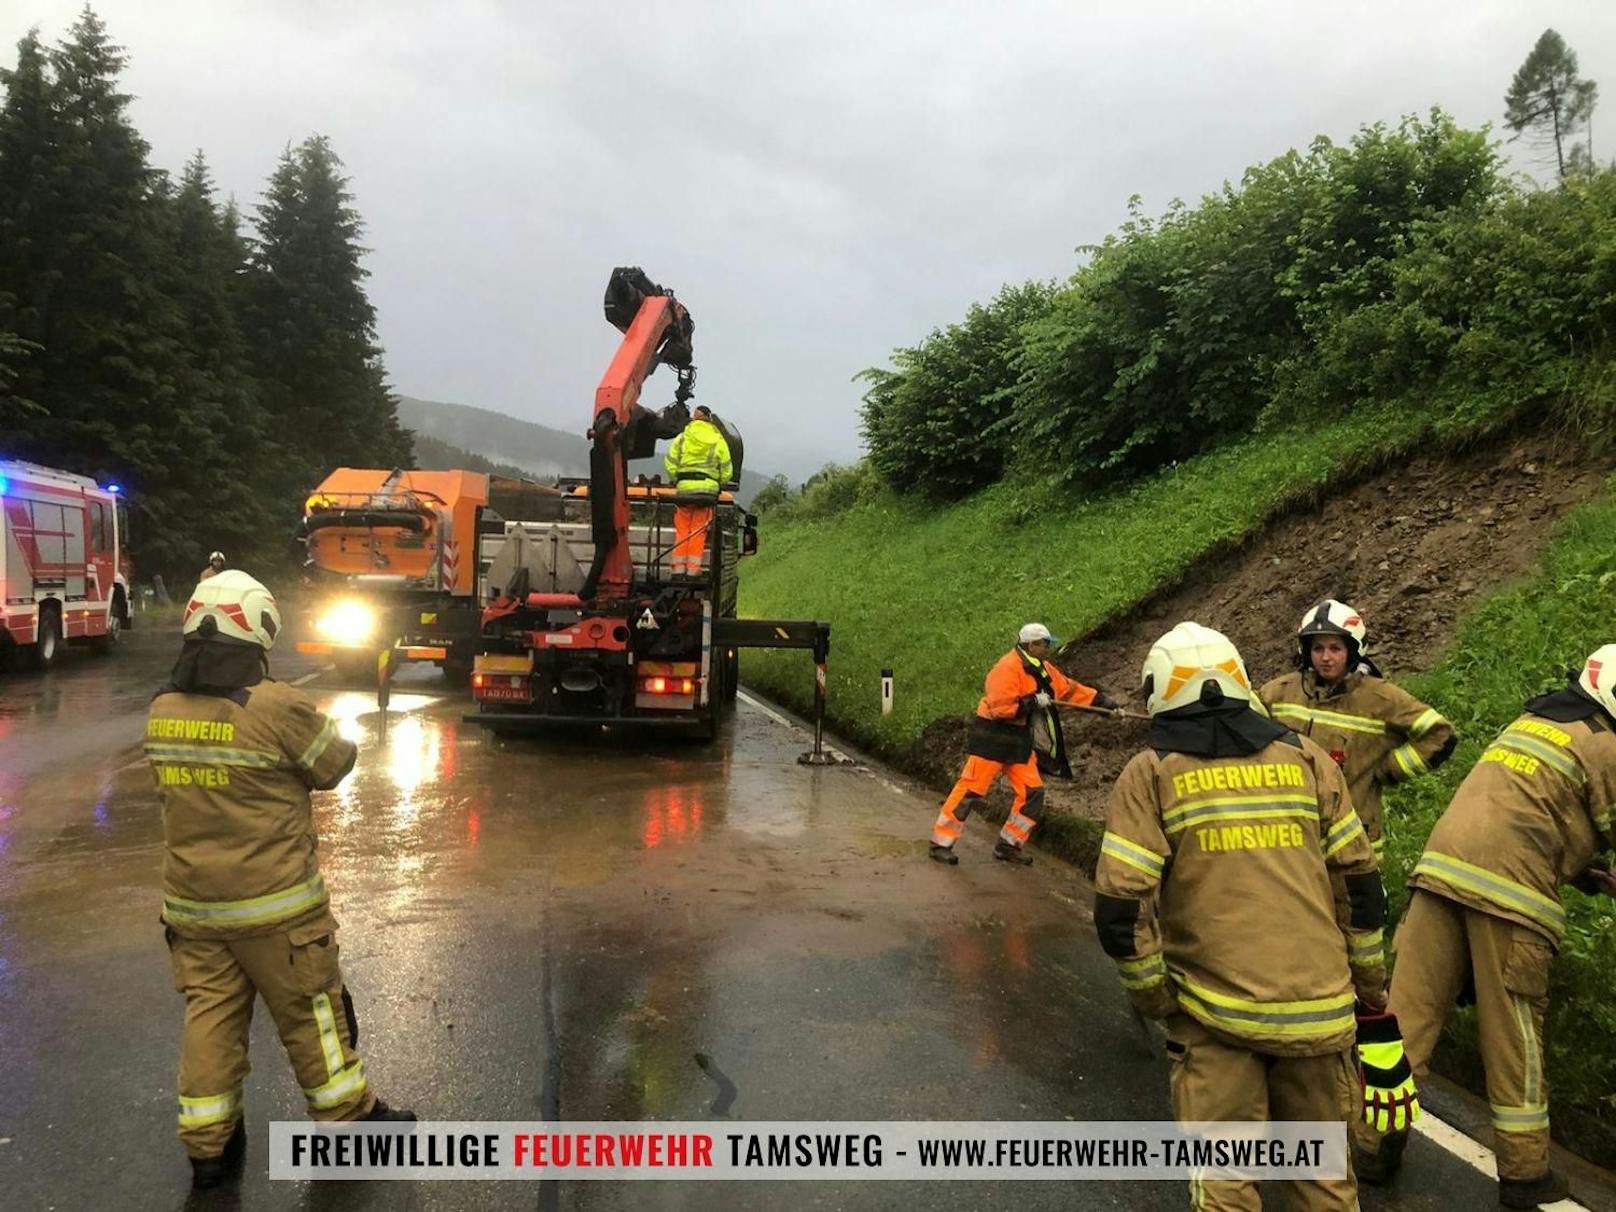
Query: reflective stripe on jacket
233, 776
1529, 817
698, 459
1378, 732
1224, 868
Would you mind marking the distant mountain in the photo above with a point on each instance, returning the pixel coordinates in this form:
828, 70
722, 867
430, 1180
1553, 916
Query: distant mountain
537, 450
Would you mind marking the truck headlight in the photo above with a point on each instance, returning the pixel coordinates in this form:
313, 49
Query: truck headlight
347, 623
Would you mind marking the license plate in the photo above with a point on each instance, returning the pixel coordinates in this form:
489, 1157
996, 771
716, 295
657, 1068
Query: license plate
504, 694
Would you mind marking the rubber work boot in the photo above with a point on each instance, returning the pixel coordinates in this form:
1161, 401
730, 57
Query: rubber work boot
211, 1171
1005, 852
1530, 1192
381, 1112
1379, 1167
944, 854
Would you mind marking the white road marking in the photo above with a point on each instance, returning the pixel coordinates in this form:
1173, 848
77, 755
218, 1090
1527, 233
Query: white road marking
1446, 1136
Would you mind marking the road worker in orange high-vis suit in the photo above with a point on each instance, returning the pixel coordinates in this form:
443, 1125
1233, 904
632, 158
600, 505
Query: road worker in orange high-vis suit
245, 909
1016, 733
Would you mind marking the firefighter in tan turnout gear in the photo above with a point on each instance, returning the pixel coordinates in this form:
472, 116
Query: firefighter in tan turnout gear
1214, 897
1016, 733
1484, 917
1377, 733
244, 906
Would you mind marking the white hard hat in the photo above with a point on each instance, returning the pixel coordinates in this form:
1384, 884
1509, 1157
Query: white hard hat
1598, 678
1188, 658
217, 555
1033, 632
1331, 617
241, 609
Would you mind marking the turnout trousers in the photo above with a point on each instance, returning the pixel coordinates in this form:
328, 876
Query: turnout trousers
975, 782
690, 526
295, 971
1214, 1080
1441, 947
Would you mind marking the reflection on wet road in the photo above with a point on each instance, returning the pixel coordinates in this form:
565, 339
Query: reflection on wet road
587, 928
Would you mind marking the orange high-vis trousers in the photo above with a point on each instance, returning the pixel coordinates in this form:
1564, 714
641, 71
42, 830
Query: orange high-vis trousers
690, 526
975, 782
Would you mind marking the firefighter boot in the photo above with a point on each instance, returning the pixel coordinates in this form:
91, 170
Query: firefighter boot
1008, 853
381, 1112
944, 854
211, 1171
1378, 1167
1530, 1192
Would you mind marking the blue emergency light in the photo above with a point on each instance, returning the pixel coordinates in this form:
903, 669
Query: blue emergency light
114, 488
5, 484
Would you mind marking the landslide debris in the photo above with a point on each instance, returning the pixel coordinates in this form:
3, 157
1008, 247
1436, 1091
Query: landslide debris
1414, 548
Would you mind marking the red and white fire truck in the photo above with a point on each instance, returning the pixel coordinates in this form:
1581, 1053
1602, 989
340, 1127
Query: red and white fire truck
64, 577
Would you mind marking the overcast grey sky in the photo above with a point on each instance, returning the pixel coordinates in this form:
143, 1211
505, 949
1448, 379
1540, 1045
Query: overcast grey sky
819, 182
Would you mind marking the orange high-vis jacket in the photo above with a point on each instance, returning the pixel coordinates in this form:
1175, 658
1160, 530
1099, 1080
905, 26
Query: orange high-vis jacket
1008, 683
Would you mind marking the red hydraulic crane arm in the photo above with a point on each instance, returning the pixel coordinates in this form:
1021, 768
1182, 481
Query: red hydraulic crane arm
656, 329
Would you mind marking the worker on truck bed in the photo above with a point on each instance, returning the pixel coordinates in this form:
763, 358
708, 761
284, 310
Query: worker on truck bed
215, 566
1016, 733
1377, 733
698, 462
1484, 917
1214, 897
245, 910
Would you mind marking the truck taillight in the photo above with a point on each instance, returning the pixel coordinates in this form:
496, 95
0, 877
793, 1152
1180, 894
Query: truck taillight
477, 681
661, 685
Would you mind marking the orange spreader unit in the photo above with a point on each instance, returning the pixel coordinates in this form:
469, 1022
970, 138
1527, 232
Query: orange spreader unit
419, 527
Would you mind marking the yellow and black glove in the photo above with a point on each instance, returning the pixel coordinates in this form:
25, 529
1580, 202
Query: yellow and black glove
1391, 1104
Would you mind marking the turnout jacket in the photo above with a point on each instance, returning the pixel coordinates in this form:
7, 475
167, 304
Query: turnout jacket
1009, 725
1531, 815
1377, 732
1214, 897
233, 777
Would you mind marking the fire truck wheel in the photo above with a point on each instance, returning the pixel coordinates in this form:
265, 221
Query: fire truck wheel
103, 644
47, 649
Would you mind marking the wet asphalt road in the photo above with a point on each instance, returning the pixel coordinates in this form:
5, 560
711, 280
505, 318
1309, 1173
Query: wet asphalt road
582, 929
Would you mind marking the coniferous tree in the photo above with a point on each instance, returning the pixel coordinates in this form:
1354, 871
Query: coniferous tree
312, 327
1548, 99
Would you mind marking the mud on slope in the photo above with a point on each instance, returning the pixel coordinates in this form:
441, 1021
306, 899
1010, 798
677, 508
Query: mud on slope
1414, 549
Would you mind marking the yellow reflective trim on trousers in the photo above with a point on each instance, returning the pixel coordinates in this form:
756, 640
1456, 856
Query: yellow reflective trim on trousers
1342, 833
1331, 719
342, 1087
1249, 807
1529, 1049
318, 746
1409, 761
330, 1041
1427, 721
209, 1109
258, 911
1493, 888
211, 755
1554, 756
1530, 1118
1136, 856
1321, 1016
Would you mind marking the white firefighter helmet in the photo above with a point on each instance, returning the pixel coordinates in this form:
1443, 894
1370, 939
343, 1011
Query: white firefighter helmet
1188, 658
216, 557
1598, 678
1331, 617
241, 609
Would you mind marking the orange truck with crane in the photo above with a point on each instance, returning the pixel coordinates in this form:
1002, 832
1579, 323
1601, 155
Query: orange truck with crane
589, 621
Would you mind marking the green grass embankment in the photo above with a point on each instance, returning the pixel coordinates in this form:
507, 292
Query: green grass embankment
933, 592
